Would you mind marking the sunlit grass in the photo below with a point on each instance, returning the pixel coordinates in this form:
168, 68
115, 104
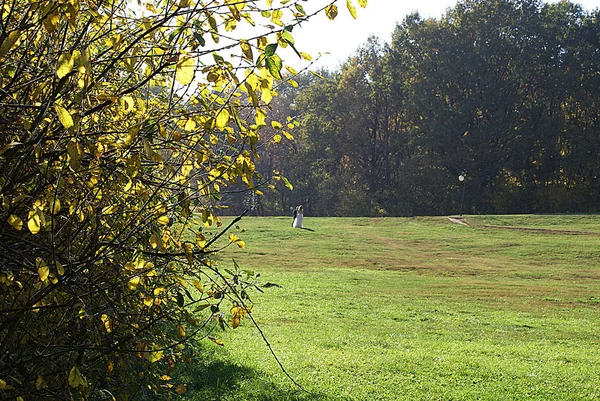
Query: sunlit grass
414, 309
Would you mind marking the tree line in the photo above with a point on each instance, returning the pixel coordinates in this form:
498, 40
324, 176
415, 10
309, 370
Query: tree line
506, 93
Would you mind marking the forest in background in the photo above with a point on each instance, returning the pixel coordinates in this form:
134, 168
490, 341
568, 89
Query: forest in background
505, 92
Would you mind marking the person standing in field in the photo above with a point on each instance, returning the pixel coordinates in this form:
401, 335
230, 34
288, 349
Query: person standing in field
298, 217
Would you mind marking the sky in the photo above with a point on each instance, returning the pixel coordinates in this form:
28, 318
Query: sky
342, 36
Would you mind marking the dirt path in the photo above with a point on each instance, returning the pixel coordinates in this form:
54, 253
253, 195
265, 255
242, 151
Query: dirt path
464, 222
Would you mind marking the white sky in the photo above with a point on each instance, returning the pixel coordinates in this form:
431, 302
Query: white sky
344, 35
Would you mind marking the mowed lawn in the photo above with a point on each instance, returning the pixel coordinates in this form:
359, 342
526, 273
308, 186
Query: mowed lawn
413, 309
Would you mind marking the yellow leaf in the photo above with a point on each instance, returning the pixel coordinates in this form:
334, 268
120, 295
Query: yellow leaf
181, 389
190, 125
107, 322
238, 242
277, 138
40, 383
189, 255
266, 95
133, 283
198, 285
63, 116
15, 222
128, 104
185, 70
51, 21
351, 8
154, 240
306, 56
291, 70
362, 3
216, 341
164, 220
54, 206
207, 218
4, 386
65, 65
9, 42
289, 136
185, 3
260, 117
246, 49
34, 223
200, 240
148, 300
180, 331
222, 119
276, 125
76, 379
156, 356
43, 269
331, 11
60, 268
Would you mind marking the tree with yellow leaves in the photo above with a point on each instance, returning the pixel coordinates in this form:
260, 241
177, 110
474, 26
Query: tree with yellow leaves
121, 123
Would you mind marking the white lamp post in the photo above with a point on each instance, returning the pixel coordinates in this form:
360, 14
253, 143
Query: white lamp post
461, 178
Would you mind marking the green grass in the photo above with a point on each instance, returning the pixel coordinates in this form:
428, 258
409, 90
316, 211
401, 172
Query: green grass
414, 309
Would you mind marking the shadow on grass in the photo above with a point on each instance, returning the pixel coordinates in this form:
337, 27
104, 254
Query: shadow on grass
216, 380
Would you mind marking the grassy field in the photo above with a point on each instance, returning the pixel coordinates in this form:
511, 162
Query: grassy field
414, 309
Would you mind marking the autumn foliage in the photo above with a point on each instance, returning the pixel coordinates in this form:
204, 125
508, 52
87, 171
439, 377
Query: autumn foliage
121, 123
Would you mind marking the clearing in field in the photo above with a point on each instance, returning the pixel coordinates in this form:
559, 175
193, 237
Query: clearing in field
415, 309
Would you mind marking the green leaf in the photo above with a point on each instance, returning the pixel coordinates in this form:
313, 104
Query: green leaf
65, 64
180, 300
286, 36
185, 70
351, 8
64, 116
270, 49
274, 66
76, 379
9, 42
